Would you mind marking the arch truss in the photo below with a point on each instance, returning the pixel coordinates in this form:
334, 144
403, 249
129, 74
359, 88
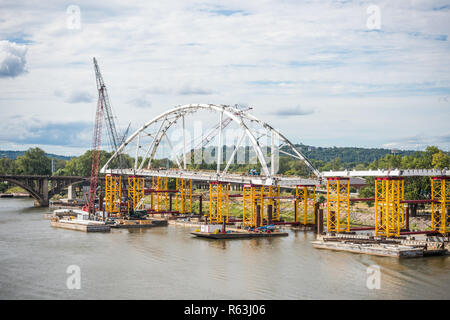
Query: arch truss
186, 135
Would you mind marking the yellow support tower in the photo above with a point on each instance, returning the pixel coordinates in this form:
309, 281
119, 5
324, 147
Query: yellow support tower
338, 204
440, 193
402, 206
389, 212
274, 191
136, 186
248, 205
218, 202
183, 198
160, 195
251, 198
255, 196
112, 194
306, 201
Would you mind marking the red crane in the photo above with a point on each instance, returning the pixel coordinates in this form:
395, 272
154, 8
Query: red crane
96, 144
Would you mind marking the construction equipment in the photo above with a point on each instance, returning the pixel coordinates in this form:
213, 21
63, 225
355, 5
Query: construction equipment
103, 109
137, 212
109, 116
90, 206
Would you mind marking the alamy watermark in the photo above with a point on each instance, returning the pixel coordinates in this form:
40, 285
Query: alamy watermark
73, 19
374, 20
74, 280
238, 146
374, 277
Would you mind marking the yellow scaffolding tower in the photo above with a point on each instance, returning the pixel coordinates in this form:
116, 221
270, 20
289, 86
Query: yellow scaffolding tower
183, 199
271, 192
136, 186
112, 193
250, 196
389, 212
440, 193
218, 202
306, 201
262, 196
338, 204
160, 195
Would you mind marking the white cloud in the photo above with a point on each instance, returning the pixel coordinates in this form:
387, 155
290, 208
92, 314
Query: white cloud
12, 59
80, 97
386, 84
293, 111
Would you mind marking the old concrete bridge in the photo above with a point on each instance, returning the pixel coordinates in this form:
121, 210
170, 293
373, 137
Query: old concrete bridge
42, 187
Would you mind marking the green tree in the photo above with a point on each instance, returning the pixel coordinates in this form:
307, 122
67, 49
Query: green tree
440, 160
7, 166
34, 161
81, 166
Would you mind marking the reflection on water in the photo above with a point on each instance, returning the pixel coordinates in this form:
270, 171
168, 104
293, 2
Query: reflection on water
168, 263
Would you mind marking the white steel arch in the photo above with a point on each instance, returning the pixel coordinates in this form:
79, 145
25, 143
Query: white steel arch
242, 118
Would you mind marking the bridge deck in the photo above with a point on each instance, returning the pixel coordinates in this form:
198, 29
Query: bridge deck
388, 173
281, 181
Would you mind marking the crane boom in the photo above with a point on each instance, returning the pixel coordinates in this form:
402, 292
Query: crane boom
96, 143
103, 109
109, 116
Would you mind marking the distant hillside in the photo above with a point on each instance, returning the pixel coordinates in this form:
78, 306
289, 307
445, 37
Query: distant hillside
14, 154
348, 154
326, 154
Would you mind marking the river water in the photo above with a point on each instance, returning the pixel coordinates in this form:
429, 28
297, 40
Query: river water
168, 263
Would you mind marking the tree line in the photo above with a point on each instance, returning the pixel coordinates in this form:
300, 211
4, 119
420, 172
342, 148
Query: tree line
35, 161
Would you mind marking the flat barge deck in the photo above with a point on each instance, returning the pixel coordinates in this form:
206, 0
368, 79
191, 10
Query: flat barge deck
142, 223
239, 235
397, 248
86, 226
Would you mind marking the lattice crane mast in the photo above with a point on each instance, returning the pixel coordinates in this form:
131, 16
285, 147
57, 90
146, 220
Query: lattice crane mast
96, 143
109, 116
103, 109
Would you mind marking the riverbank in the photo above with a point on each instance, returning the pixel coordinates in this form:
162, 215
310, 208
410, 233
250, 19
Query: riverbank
15, 195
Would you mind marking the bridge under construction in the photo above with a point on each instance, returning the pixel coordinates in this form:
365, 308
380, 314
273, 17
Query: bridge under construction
261, 194
138, 184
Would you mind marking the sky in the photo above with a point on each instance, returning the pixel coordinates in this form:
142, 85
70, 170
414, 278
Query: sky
324, 73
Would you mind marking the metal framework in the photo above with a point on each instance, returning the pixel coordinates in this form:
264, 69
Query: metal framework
96, 144
136, 186
218, 202
389, 211
160, 201
149, 137
440, 192
272, 193
113, 193
248, 206
306, 201
388, 173
256, 201
338, 204
183, 199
